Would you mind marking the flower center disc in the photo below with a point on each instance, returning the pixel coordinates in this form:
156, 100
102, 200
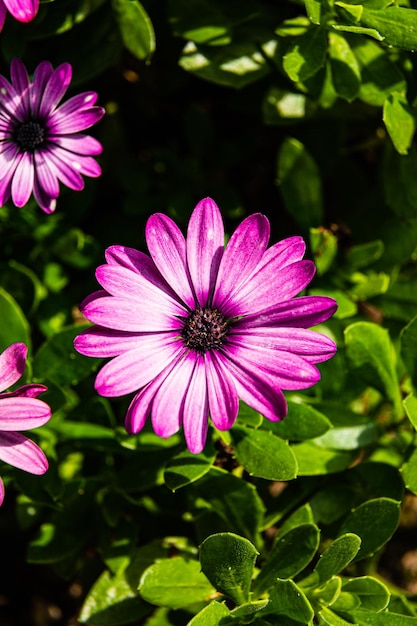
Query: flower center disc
29, 135
204, 329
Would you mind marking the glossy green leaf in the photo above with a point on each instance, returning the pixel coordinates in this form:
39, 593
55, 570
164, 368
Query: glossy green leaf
228, 561
325, 594
14, 325
236, 65
211, 615
382, 619
337, 556
289, 555
302, 422
135, 27
371, 355
410, 406
329, 618
175, 583
345, 69
314, 460
112, 602
398, 25
400, 121
409, 349
409, 471
349, 437
234, 500
313, 8
288, 600
185, 468
300, 184
380, 76
372, 593
324, 248
263, 454
306, 54
374, 521
58, 361
364, 254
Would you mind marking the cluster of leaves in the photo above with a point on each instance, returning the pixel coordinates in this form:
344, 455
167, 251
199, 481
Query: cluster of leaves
305, 111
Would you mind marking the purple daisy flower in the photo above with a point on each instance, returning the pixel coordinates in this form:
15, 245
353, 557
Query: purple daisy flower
20, 410
22, 10
40, 143
196, 326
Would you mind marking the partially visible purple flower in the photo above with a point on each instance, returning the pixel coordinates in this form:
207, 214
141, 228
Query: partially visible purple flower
196, 326
20, 410
22, 10
40, 142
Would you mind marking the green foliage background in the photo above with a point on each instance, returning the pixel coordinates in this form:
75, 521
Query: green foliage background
305, 111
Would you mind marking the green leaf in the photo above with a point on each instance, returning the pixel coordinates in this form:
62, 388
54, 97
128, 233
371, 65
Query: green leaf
409, 349
300, 183
302, 422
57, 360
364, 254
409, 471
371, 356
228, 562
185, 468
14, 326
263, 454
135, 27
382, 619
400, 185
337, 556
313, 460
313, 8
112, 602
380, 75
374, 522
306, 54
287, 599
397, 25
400, 122
373, 594
344, 66
351, 11
175, 583
327, 593
410, 406
358, 30
236, 65
324, 248
211, 615
291, 553
329, 618
234, 500
349, 437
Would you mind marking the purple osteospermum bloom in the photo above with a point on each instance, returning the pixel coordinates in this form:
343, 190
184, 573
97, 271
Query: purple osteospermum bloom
40, 142
196, 325
20, 410
22, 10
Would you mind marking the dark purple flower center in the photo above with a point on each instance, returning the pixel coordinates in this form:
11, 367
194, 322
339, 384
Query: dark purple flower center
204, 329
29, 136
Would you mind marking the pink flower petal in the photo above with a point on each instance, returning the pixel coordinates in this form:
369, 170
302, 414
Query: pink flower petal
168, 404
267, 286
122, 282
22, 10
23, 413
134, 369
309, 344
104, 342
222, 395
205, 243
302, 312
195, 412
259, 393
167, 247
41, 76
118, 313
1, 492
12, 364
53, 91
21, 452
3, 12
21, 82
242, 254
22, 183
78, 144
